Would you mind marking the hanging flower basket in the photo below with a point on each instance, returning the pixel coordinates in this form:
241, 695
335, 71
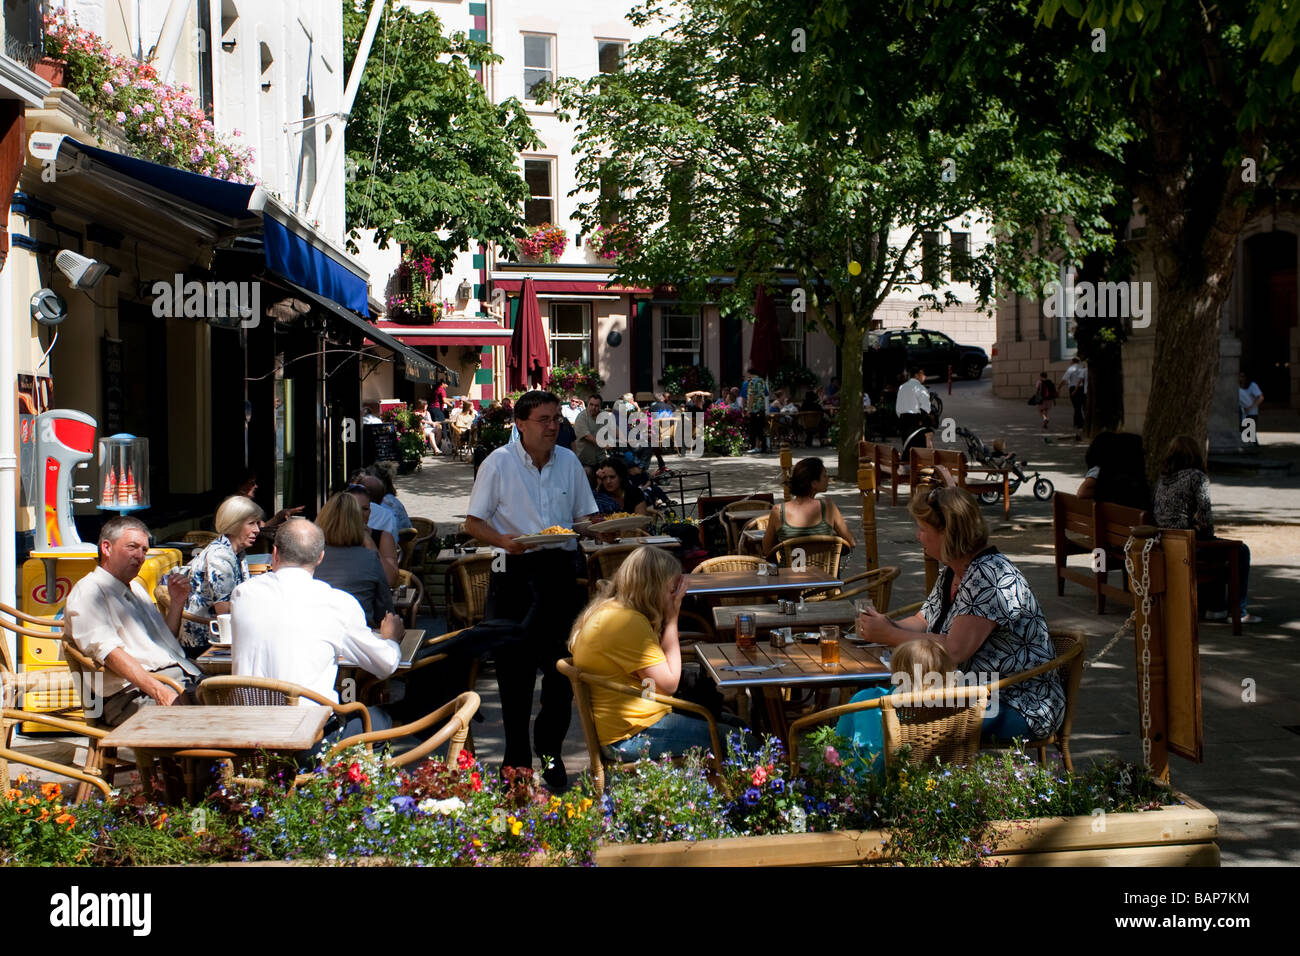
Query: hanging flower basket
613, 242
544, 243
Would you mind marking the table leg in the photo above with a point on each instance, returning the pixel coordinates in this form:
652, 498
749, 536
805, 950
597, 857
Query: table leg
1006, 496
776, 713
144, 762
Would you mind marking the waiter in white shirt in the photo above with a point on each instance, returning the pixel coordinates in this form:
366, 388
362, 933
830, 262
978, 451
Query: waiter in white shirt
913, 402
111, 619
1076, 380
289, 626
522, 489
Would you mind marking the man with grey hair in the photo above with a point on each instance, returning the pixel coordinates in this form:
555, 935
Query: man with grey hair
112, 619
288, 626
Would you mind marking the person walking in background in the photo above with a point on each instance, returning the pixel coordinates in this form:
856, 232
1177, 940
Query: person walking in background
1249, 399
912, 404
1075, 382
1046, 393
756, 398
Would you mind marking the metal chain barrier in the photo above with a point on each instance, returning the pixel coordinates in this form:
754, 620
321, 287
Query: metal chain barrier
1143, 591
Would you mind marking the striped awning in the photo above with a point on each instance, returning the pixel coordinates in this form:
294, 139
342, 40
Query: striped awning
448, 332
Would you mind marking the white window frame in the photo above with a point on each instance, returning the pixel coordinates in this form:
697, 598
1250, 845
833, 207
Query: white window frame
622, 45
795, 342
550, 177
550, 68
665, 349
584, 337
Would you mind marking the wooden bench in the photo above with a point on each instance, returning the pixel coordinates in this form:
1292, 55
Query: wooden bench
922, 461
1093, 525
888, 463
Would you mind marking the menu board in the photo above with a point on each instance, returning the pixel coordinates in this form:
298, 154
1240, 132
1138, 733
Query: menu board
380, 444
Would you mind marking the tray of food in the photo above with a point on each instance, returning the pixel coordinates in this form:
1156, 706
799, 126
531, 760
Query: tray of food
552, 535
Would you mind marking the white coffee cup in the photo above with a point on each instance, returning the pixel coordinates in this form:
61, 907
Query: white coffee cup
221, 629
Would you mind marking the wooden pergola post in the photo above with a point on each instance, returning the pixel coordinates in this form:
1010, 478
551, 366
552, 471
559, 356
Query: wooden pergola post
787, 466
867, 487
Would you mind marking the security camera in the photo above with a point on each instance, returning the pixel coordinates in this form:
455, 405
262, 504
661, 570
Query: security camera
48, 308
82, 271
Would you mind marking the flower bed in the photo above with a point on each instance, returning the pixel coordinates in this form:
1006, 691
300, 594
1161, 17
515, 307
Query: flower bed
724, 429
1001, 810
545, 243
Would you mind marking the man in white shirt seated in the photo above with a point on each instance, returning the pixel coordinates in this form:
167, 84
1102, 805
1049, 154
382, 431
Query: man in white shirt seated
912, 404
289, 626
111, 618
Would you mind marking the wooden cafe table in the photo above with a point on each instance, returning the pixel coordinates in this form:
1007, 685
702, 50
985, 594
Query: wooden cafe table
750, 582
216, 732
767, 616
773, 669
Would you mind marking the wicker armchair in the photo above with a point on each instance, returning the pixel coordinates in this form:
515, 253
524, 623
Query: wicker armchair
86, 776
877, 583
737, 514
746, 546
200, 538
1070, 647
406, 579
941, 724
582, 681
99, 759
53, 691
821, 551
455, 717
469, 576
425, 532
810, 423
733, 562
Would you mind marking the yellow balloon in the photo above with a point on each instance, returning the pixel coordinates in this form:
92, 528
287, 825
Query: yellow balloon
855, 268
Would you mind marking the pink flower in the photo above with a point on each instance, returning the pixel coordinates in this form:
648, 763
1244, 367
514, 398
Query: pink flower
137, 109
148, 107
160, 122
196, 154
107, 88
833, 757
760, 776
120, 117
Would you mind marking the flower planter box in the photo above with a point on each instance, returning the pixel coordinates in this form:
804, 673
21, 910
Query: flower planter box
1178, 835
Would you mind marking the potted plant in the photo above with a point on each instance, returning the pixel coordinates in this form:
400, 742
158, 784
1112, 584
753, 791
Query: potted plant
678, 380
544, 243
569, 378
410, 438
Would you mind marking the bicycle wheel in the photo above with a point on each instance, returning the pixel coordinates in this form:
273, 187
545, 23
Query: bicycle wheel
990, 497
1043, 489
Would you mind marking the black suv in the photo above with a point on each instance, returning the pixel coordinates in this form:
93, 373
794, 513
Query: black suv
932, 351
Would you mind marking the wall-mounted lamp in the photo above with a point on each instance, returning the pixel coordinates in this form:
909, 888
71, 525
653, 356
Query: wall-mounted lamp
228, 46
266, 87
464, 290
82, 271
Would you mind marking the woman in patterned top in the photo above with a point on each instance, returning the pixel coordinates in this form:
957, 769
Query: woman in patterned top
989, 617
1182, 500
220, 566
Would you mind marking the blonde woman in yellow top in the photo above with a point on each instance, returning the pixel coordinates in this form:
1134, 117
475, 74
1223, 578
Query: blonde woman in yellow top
629, 633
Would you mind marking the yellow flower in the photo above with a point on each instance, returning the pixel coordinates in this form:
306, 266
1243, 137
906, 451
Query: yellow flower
478, 843
584, 805
161, 820
929, 785
516, 827
569, 813
22, 779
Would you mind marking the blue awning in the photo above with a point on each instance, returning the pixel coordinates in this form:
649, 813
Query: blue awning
229, 208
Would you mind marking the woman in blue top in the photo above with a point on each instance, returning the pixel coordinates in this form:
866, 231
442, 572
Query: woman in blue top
219, 567
803, 514
985, 612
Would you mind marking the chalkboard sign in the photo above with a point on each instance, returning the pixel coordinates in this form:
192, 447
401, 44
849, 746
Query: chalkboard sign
380, 444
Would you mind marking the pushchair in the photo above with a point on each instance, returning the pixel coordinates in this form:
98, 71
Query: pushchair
997, 459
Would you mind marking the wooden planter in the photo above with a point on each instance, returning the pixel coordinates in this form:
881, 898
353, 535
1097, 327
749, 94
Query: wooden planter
1178, 835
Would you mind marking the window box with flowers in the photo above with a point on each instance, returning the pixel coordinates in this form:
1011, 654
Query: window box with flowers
613, 242
680, 380
544, 243
417, 300
161, 123
572, 378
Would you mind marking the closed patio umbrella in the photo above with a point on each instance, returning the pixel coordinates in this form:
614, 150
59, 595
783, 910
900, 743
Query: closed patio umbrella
765, 351
527, 359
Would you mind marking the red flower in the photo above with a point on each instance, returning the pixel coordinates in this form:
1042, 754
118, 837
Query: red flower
464, 760
354, 773
476, 781
760, 775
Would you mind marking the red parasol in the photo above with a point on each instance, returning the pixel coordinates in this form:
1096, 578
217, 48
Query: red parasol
527, 359
765, 350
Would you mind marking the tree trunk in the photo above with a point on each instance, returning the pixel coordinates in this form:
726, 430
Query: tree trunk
850, 397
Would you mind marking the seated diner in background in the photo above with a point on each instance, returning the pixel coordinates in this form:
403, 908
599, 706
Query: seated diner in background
984, 612
382, 526
351, 562
629, 633
1116, 471
288, 626
1182, 500
613, 492
219, 568
803, 514
113, 621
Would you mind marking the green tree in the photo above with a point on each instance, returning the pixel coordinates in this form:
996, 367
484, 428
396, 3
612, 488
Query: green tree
758, 139
1208, 97
431, 160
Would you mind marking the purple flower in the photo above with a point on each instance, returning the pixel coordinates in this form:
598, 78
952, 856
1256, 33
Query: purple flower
778, 784
751, 797
403, 804
256, 812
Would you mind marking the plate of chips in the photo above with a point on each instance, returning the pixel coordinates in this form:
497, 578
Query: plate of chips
615, 523
552, 535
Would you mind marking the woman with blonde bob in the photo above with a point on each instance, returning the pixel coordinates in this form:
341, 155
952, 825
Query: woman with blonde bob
351, 562
217, 569
629, 633
984, 611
